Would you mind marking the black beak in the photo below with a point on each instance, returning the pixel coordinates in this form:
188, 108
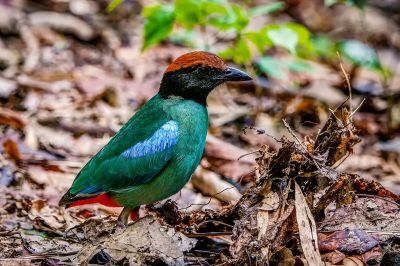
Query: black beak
233, 74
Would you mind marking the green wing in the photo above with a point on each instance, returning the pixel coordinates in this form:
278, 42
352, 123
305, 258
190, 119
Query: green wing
135, 155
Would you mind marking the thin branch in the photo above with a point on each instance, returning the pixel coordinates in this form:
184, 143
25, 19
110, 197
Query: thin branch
358, 107
346, 76
247, 154
301, 144
195, 235
377, 197
213, 221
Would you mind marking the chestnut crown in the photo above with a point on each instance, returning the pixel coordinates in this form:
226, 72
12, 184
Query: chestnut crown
194, 75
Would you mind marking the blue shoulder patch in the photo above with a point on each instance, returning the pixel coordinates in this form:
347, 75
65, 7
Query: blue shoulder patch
90, 190
163, 139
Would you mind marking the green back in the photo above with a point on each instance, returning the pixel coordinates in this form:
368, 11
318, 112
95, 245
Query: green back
108, 171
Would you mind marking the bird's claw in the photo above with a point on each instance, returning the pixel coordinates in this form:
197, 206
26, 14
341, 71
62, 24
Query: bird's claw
121, 224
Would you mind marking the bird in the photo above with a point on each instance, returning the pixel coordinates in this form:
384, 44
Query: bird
155, 153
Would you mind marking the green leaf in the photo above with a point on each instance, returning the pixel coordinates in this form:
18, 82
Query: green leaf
228, 17
266, 9
32, 232
303, 34
299, 66
240, 53
330, 2
259, 39
360, 53
278, 69
158, 24
241, 18
243, 54
188, 12
214, 8
113, 5
272, 67
324, 47
185, 37
289, 35
284, 37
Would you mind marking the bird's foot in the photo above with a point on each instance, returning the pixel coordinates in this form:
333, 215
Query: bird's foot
122, 221
121, 224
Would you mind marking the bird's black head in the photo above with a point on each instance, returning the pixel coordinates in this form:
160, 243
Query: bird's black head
194, 75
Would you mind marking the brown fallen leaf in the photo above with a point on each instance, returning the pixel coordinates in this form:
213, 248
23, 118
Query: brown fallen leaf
283, 257
351, 241
373, 256
11, 149
12, 118
334, 257
352, 261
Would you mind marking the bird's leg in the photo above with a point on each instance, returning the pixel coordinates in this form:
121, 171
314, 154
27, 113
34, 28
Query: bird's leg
123, 218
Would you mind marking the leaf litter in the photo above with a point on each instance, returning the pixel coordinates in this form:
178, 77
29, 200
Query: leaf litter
286, 200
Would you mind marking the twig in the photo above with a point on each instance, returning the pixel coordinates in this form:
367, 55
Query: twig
333, 113
209, 200
346, 76
301, 144
367, 231
194, 235
358, 107
377, 197
247, 154
9, 233
213, 221
196, 204
261, 132
344, 159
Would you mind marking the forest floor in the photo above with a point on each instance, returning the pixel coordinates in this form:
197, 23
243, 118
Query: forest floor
289, 175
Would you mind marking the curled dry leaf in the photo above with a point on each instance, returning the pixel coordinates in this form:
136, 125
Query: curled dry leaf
336, 138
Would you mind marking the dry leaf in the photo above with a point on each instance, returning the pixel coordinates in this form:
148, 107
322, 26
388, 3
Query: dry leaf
307, 229
211, 184
352, 241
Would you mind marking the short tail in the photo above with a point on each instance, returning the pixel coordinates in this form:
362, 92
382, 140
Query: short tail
67, 199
